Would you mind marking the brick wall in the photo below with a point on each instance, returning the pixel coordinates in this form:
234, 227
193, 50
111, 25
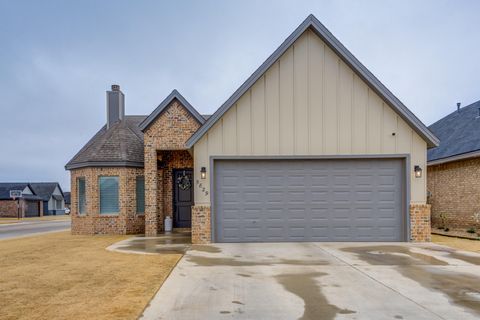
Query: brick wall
168, 132
420, 229
454, 190
126, 222
201, 227
8, 208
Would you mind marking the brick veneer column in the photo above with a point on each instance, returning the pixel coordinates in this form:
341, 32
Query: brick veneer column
420, 228
151, 192
201, 228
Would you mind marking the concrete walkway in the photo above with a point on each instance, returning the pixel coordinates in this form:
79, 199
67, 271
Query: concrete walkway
321, 281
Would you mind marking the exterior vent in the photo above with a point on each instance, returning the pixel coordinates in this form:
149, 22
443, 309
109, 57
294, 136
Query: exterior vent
115, 105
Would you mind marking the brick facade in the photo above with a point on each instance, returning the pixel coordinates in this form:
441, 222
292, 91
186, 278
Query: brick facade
201, 224
454, 193
127, 221
420, 229
164, 142
8, 208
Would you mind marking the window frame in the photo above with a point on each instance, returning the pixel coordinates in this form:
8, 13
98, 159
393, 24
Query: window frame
100, 196
79, 202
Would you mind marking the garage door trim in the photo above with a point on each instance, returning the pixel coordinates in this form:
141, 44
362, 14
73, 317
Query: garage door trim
404, 157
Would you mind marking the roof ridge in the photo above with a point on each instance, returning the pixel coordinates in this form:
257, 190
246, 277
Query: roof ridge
165, 103
135, 134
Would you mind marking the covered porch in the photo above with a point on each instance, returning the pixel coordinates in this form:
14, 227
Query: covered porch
168, 190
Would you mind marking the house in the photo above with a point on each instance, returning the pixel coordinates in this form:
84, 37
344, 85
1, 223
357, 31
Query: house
311, 147
454, 170
66, 196
28, 205
52, 197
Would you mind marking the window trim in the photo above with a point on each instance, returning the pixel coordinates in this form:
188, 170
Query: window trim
106, 214
79, 213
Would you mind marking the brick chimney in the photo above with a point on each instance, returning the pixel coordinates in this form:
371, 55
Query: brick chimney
115, 105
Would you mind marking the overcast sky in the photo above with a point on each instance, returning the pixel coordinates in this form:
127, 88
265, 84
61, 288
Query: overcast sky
57, 59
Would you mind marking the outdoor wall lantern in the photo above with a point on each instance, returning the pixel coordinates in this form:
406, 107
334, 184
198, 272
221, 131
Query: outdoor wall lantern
418, 171
203, 173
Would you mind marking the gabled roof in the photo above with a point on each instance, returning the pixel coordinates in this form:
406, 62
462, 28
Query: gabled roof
318, 28
165, 103
5, 188
67, 197
120, 145
45, 189
459, 133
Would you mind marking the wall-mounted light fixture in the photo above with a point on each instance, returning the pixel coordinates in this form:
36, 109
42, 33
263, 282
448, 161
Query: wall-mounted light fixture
203, 173
418, 171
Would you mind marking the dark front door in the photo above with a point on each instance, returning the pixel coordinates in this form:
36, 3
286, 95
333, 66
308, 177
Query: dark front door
182, 198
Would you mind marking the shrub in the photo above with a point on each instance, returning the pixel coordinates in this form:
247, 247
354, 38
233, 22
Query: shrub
471, 230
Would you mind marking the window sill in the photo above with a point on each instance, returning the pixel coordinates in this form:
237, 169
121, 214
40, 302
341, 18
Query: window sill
108, 215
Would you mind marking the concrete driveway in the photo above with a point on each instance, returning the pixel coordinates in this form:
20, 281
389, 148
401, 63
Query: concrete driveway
321, 281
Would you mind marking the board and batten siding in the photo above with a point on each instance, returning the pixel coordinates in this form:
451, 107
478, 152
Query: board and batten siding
309, 102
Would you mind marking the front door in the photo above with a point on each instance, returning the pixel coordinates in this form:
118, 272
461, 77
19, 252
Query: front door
182, 198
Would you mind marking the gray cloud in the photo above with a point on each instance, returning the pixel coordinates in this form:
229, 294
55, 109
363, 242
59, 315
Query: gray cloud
57, 58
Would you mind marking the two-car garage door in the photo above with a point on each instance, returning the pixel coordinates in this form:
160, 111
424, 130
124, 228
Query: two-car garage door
309, 200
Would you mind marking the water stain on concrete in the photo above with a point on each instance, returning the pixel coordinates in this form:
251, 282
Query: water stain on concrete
205, 248
238, 302
398, 317
231, 262
461, 289
225, 312
174, 243
391, 255
305, 287
470, 258
244, 275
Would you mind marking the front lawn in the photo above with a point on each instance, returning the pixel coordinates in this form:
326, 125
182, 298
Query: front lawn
457, 243
60, 276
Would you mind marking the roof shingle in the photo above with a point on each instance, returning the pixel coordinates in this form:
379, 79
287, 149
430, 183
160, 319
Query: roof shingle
121, 144
459, 133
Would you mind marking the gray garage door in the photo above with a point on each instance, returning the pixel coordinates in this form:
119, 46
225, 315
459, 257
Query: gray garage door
309, 200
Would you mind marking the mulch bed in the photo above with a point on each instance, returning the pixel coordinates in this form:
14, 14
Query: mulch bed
457, 233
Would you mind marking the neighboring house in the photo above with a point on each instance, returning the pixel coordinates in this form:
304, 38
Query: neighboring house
454, 169
52, 197
66, 196
29, 205
312, 147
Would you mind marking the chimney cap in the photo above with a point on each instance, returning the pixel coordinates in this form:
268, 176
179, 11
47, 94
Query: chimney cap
115, 87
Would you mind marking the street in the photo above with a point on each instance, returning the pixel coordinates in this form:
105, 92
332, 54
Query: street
32, 227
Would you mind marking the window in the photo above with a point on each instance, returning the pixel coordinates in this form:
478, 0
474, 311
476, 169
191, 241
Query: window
82, 203
59, 204
140, 194
108, 195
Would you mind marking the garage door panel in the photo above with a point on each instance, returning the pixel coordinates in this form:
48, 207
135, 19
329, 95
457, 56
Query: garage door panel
308, 200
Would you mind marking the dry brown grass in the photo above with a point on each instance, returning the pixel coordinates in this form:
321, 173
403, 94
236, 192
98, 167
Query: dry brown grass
60, 276
458, 243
